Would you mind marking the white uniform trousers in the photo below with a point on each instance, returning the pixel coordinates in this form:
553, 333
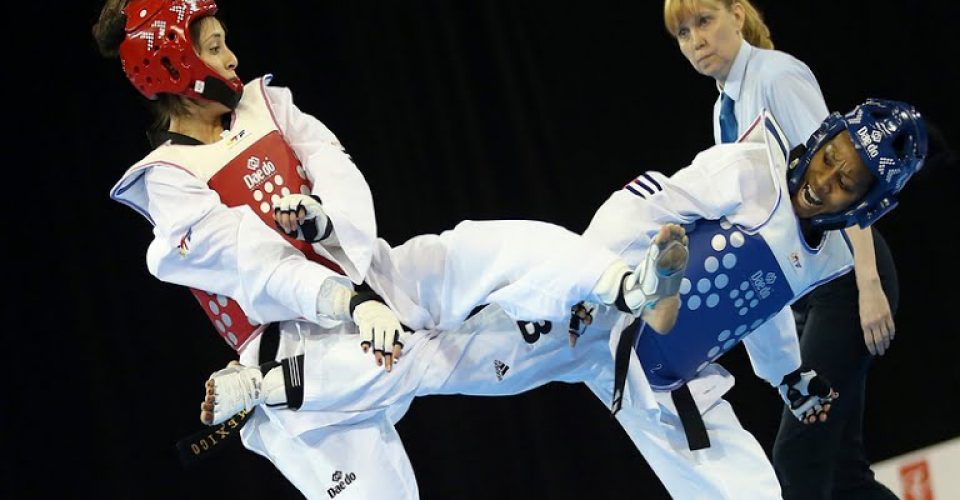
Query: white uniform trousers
345, 423
734, 467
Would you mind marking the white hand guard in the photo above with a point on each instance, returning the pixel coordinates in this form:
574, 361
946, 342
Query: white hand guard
806, 394
378, 325
333, 301
239, 387
316, 225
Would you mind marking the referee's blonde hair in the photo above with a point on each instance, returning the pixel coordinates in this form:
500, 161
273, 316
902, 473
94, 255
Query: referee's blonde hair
755, 31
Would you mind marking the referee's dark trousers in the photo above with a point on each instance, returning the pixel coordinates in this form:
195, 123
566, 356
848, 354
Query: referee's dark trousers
827, 460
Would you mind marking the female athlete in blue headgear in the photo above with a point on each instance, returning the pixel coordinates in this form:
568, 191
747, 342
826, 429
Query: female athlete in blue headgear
843, 324
763, 225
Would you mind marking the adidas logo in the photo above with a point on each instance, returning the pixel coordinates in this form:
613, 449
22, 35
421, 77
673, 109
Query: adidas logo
501, 368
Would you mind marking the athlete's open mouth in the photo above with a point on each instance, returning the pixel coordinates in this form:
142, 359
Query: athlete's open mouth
810, 196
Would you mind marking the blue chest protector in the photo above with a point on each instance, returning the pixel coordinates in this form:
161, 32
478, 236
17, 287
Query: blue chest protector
733, 284
737, 279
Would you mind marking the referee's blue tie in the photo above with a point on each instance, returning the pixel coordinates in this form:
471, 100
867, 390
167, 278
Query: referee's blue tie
728, 121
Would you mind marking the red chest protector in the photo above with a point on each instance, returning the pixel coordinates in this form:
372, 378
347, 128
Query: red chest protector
262, 173
254, 166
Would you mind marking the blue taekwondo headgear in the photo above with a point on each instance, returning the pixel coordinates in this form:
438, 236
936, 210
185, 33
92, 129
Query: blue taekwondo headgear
891, 138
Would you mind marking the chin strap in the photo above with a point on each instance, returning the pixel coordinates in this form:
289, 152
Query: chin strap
217, 90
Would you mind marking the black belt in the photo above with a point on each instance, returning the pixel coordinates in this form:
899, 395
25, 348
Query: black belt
621, 362
203, 444
690, 418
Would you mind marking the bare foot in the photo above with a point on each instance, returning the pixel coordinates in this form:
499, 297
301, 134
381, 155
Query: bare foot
209, 400
672, 240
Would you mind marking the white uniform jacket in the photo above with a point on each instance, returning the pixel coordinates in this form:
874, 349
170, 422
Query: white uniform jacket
212, 213
748, 258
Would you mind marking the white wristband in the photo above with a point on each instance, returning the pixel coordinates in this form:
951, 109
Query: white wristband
333, 301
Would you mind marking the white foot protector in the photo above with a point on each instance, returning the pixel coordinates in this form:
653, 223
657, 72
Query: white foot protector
239, 387
658, 276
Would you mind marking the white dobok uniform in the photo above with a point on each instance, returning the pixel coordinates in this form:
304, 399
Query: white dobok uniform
748, 262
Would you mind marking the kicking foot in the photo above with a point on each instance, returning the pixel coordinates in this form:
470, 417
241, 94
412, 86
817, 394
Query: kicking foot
671, 244
654, 284
660, 273
669, 254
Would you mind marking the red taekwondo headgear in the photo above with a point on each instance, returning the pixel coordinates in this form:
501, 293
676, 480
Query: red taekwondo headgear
158, 55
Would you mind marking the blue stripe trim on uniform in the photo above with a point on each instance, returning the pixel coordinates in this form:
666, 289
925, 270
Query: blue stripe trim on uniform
123, 189
634, 191
116, 196
776, 135
644, 186
655, 183
846, 239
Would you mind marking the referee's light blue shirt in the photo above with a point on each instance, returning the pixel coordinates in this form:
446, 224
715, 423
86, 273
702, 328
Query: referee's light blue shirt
777, 81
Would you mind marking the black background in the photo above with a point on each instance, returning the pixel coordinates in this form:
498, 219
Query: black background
453, 110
